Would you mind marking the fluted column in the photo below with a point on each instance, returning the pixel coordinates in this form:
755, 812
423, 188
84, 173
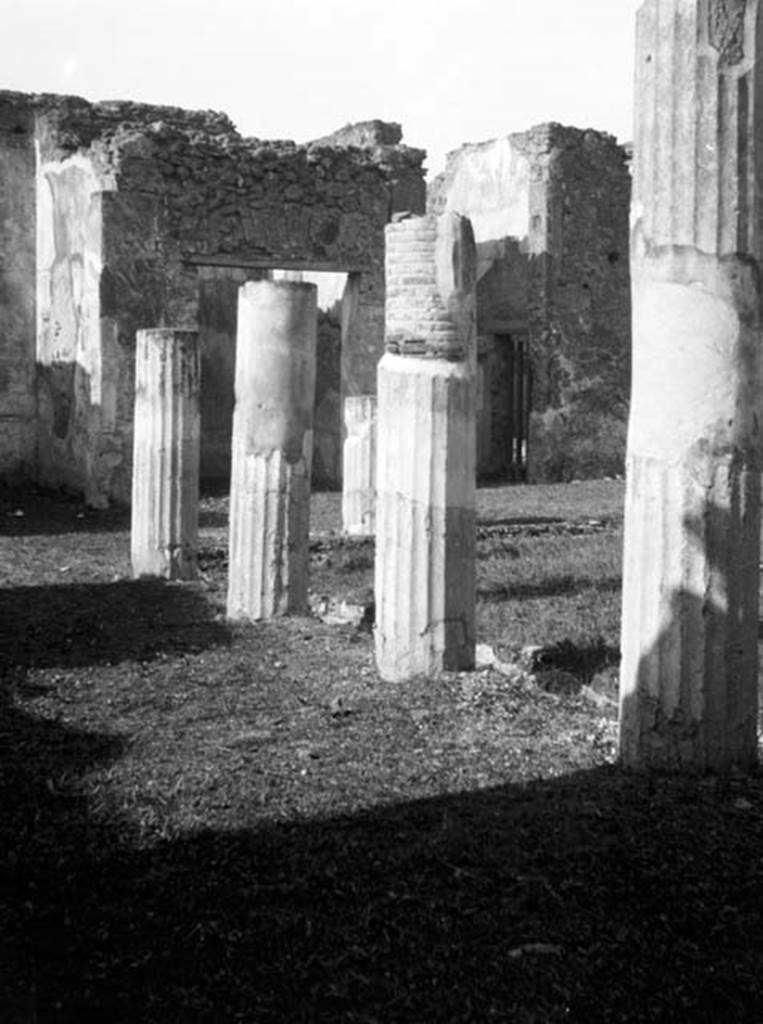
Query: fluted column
426, 441
272, 449
359, 466
688, 690
165, 467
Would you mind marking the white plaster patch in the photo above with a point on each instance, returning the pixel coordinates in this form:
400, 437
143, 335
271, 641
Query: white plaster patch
686, 368
68, 260
491, 186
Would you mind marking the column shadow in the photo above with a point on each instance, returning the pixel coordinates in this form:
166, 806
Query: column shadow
693, 705
103, 623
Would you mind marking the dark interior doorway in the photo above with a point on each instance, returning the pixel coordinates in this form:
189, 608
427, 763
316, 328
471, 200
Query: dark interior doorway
504, 407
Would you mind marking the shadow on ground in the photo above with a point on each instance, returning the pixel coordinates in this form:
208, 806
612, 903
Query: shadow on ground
597, 896
504, 589
29, 513
593, 896
103, 623
210, 519
567, 667
519, 520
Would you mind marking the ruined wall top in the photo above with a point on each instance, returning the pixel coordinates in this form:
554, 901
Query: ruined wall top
66, 124
365, 134
217, 195
536, 148
382, 142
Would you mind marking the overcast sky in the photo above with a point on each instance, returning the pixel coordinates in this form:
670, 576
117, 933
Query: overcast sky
448, 71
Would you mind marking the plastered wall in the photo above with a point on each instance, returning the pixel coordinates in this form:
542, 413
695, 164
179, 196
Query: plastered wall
150, 217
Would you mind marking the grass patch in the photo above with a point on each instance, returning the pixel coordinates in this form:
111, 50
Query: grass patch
214, 822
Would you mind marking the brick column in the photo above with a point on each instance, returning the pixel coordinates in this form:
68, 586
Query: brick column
272, 449
425, 520
359, 466
165, 467
688, 697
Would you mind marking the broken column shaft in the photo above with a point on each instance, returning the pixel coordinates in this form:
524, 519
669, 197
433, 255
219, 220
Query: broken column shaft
359, 466
165, 467
688, 689
425, 511
272, 449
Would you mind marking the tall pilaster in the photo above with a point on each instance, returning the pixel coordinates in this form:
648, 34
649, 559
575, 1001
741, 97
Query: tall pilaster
272, 449
688, 688
426, 441
165, 467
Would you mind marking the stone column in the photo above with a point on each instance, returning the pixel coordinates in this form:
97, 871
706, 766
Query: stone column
688, 689
425, 519
359, 466
272, 449
165, 464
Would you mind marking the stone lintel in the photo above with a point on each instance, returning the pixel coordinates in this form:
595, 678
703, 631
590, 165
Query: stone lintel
269, 261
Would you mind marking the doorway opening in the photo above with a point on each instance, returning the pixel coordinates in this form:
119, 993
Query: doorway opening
503, 406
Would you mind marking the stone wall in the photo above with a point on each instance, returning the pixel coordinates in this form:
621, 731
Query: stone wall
383, 140
579, 316
18, 406
135, 204
550, 213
